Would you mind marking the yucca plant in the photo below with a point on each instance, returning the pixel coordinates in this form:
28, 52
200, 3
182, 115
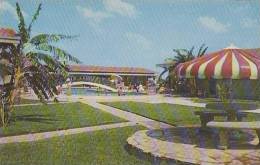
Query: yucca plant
35, 62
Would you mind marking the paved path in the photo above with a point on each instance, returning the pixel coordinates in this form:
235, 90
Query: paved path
46, 135
149, 123
32, 104
154, 99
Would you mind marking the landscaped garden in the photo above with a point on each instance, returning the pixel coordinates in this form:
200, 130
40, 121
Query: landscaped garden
100, 147
41, 118
169, 113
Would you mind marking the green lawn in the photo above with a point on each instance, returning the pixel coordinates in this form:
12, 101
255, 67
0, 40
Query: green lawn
39, 118
99, 147
168, 113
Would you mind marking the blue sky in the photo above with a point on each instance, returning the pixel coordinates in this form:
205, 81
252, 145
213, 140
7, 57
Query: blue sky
141, 33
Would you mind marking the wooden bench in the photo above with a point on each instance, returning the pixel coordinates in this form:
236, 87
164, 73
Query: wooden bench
225, 127
207, 116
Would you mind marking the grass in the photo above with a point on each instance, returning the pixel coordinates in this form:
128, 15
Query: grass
99, 147
168, 113
177, 115
40, 118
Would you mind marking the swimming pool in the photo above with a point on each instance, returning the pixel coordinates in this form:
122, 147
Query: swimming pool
93, 92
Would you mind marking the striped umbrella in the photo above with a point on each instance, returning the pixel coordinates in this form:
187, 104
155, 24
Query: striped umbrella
229, 63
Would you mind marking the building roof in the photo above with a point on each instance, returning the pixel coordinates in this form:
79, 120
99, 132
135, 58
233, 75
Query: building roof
105, 69
9, 36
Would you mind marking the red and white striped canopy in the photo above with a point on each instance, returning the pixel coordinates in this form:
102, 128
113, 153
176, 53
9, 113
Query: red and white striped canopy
229, 63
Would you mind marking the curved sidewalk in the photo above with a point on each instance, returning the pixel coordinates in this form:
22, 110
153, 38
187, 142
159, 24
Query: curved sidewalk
191, 153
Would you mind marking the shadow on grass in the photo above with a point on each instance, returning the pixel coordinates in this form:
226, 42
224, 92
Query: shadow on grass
35, 118
204, 139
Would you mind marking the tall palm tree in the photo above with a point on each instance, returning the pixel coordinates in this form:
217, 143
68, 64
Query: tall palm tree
36, 62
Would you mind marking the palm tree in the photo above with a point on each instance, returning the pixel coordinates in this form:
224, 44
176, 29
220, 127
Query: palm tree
183, 55
36, 62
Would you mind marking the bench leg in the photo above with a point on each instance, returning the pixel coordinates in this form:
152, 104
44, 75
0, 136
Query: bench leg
223, 139
204, 120
258, 135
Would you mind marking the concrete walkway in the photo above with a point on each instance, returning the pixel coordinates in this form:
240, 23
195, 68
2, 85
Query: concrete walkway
33, 104
47, 135
149, 123
153, 99
185, 152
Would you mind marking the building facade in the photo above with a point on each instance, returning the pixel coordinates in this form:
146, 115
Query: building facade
107, 75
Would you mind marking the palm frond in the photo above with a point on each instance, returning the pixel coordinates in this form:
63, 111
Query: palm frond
202, 50
34, 18
57, 52
22, 26
49, 38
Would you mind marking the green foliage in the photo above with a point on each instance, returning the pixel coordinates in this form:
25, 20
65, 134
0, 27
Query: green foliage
42, 61
184, 55
223, 91
35, 62
202, 50
35, 16
22, 26
49, 38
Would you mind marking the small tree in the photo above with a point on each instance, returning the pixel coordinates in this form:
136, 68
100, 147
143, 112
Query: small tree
34, 61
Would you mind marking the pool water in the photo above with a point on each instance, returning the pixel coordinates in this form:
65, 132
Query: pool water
93, 92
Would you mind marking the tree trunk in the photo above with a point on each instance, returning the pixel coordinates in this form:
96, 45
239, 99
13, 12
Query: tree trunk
9, 105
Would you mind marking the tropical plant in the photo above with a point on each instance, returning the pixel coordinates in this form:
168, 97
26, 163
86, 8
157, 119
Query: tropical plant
35, 62
183, 55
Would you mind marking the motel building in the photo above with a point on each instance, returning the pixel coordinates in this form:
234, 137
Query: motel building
111, 76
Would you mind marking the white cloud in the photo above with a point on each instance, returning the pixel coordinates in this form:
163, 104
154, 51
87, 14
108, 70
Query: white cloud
7, 7
120, 7
94, 16
111, 8
212, 24
139, 40
249, 23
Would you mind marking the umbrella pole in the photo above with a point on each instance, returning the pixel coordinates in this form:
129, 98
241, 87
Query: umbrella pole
230, 91
231, 112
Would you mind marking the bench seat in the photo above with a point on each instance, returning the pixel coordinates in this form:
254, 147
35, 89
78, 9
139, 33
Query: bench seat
207, 116
235, 125
225, 127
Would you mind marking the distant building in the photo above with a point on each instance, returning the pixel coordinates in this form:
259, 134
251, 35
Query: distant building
104, 75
